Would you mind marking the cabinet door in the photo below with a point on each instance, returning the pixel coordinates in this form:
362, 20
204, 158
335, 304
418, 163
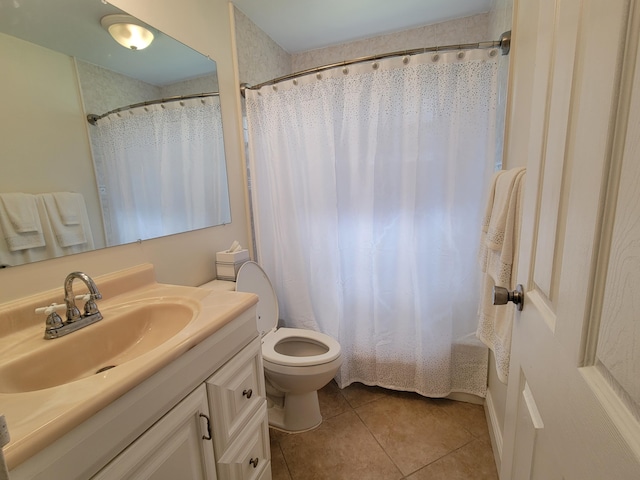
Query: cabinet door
177, 446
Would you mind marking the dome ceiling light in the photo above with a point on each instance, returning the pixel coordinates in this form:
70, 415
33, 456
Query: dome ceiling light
127, 31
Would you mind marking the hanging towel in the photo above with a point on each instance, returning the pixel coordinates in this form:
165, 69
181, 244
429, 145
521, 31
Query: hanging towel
19, 221
65, 235
498, 249
68, 207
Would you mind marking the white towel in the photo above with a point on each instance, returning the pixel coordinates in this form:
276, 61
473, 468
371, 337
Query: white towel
65, 235
498, 249
19, 221
68, 207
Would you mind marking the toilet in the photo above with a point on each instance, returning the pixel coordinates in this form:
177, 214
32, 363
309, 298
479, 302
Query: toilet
297, 362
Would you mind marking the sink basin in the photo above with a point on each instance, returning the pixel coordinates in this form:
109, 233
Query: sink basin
126, 332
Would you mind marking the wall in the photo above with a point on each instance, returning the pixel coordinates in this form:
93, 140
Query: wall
462, 30
188, 258
49, 129
259, 58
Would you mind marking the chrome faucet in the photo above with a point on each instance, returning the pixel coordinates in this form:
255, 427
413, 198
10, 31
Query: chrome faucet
75, 320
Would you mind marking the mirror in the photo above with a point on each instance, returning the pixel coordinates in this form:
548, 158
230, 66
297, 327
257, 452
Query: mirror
60, 65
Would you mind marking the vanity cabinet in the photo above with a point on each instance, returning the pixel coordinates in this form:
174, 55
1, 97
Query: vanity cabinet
156, 430
221, 426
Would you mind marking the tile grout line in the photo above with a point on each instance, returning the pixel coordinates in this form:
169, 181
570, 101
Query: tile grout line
378, 442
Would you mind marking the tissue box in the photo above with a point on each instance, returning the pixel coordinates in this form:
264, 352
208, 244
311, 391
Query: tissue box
234, 257
228, 264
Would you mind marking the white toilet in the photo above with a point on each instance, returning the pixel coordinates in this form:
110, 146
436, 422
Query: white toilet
297, 363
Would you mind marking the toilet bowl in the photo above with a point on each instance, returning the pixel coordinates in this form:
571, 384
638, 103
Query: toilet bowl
297, 363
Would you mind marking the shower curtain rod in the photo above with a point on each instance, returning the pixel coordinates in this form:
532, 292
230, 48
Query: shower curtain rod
93, 118
504, 44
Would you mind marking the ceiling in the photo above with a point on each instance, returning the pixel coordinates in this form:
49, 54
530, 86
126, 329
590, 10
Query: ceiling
73, 27
301, 25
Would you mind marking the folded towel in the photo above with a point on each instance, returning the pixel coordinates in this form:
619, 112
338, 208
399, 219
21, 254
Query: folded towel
498, 249
65, 235
20, 222
68, 207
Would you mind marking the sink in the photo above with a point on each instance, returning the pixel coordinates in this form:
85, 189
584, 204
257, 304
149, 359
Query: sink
126, 332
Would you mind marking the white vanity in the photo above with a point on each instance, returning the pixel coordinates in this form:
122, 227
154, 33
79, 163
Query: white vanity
188, 405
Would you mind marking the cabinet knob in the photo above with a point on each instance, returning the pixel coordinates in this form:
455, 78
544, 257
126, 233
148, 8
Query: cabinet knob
247, 393
253, 462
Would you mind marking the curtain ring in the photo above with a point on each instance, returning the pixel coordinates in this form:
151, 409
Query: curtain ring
345, 70
405, 59
274, 88
435, 58
461, 55
182, 104
493, 52
295, 81
319, 76
375, 65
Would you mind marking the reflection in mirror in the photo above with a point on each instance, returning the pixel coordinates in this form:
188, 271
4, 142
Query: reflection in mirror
139, 173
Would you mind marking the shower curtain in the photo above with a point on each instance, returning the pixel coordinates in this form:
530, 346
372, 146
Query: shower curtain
161, 169
367, 187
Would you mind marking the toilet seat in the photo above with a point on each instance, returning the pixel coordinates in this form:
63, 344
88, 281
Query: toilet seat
251, 278
272, 339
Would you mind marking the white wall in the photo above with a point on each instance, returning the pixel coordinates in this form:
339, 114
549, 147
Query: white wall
188, 258
462, 30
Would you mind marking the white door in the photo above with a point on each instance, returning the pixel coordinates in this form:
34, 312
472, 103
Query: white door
573, 404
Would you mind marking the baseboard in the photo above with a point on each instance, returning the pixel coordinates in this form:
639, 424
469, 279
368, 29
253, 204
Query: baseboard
495, 433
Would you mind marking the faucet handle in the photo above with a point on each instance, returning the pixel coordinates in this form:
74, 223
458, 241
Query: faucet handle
90, 306
50, 309
53, 321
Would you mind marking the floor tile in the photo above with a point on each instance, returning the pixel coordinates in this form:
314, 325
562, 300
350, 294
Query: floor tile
279, 469
412, 429
340, 448
467, 415
472, 461
358, 394
331, 400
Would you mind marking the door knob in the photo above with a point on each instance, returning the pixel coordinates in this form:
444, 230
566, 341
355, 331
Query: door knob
502, 296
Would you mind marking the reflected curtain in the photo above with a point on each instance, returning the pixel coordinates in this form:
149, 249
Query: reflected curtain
367, 189
161, 169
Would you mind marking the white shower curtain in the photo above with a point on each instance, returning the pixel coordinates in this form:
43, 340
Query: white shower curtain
161, 169
367, 189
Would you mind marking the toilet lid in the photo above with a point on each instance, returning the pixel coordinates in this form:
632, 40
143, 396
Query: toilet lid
252, 279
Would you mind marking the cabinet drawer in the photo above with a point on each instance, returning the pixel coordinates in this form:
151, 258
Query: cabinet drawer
249, 455
235, 393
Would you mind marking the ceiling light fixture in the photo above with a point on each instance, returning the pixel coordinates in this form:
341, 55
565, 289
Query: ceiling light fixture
127, 31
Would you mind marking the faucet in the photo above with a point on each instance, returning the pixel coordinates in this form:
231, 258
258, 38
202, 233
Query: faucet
55, 327
90, 307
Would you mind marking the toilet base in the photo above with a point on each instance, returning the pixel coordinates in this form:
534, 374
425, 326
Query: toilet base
301, 412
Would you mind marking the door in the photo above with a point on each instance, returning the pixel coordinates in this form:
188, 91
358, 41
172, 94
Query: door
573, 403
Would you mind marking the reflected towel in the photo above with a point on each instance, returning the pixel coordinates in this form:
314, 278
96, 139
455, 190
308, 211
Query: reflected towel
20, 222
65, 235
68, 207
498, 249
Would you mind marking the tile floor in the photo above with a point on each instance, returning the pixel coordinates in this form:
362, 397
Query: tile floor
369, 433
